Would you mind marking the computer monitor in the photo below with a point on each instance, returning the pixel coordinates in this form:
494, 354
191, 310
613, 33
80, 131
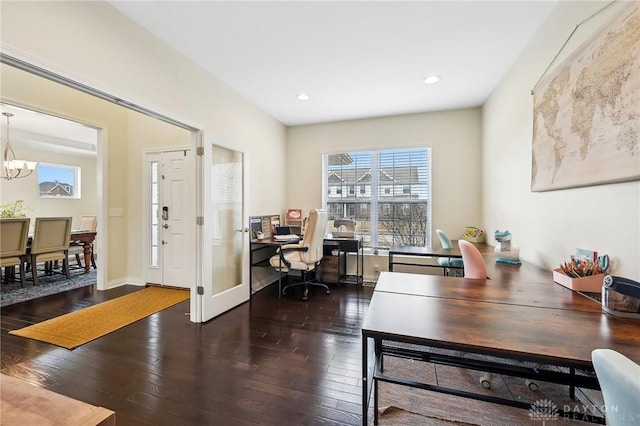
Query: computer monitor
283, 230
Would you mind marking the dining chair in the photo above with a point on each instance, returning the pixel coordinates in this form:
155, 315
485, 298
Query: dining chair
14, 233
50, 242
474, 266
76, 248
305, 256
448, 262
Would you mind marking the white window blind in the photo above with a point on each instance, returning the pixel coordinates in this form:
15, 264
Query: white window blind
393, 205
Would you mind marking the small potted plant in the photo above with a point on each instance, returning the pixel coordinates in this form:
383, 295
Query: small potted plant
14, 209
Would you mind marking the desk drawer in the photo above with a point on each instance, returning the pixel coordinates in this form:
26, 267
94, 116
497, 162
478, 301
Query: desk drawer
350, 245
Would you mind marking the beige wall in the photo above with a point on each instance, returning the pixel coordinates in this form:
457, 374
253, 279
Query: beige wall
94, 44
126, 134
454, 139
549, 226
481, 163
27, 188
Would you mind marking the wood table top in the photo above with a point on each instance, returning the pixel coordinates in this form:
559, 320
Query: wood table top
544, 294
537, 334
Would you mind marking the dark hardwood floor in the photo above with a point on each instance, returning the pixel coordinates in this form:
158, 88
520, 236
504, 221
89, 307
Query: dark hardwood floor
267, 362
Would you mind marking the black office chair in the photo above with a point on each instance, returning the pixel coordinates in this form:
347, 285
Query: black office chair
305, 255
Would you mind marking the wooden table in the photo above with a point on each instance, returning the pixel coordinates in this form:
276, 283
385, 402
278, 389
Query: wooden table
86, 238
540, 323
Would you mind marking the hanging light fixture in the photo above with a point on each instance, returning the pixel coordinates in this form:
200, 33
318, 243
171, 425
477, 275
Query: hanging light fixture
14, 168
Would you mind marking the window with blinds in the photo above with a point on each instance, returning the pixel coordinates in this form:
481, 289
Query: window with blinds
387, 193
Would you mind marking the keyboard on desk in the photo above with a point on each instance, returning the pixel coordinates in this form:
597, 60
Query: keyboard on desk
289, 237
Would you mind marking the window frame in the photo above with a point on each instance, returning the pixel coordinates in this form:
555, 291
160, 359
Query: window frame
76, 185
395, 216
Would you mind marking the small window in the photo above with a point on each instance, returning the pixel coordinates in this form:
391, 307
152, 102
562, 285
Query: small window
363, 189
352, 190
58, 181
406, 189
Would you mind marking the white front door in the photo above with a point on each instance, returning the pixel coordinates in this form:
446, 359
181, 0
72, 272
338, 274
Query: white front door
171, 222
225, 263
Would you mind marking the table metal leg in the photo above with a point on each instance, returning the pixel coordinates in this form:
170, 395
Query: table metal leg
365, 381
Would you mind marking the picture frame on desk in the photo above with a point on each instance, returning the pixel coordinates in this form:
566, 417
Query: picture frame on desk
294, 219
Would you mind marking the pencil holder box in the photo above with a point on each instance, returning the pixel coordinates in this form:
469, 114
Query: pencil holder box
590, 284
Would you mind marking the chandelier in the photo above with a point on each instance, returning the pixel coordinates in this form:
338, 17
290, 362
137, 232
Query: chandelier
14, 168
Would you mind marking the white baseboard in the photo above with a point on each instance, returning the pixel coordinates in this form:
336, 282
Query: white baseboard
124, 281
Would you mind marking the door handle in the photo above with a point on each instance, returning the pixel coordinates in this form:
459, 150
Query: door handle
242, 230
165, 226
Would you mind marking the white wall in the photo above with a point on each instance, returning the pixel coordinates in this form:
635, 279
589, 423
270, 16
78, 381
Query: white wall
94, 44
549, 226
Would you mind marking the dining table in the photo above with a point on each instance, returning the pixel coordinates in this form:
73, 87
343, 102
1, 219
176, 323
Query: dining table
86, 238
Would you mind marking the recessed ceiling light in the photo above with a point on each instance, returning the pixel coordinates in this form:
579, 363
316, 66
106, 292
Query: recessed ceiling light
303, 96
432, 79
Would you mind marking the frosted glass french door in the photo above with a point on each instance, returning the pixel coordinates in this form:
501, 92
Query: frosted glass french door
225, 260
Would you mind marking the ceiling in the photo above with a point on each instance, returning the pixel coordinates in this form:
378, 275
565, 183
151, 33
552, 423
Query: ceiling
36, 130
355, 59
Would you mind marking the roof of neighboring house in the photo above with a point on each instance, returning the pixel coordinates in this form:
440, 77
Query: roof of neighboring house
55, 188
387, 175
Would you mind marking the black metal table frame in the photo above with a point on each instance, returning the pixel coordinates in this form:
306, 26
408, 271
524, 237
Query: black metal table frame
571, 379
393, 253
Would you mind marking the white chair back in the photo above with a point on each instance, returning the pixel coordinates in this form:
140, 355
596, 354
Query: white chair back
88, 223
619, 379
315, 231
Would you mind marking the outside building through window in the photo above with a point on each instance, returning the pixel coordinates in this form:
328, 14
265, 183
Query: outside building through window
392, 206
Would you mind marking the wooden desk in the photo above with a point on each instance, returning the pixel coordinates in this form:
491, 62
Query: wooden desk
539, 323
86, 238
407, 251
260, 252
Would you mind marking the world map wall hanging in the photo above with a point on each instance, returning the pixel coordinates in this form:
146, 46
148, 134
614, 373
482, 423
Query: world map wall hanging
586, 122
